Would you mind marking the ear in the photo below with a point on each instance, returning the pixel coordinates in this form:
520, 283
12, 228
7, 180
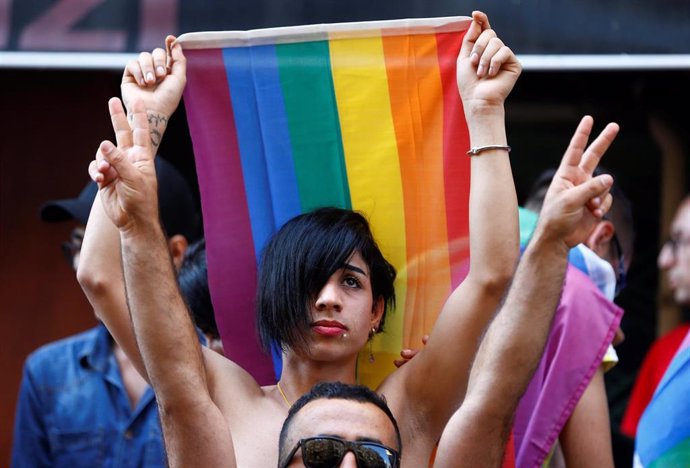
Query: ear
377, 312
178, 246
600, 238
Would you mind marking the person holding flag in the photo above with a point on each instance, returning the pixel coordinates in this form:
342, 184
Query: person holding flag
207, 401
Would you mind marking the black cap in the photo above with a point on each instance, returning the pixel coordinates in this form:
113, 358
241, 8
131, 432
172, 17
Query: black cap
70, 208
176, 204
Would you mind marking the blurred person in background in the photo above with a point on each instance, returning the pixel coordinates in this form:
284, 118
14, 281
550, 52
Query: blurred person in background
569, 383
193, 280
663, 432
81, 402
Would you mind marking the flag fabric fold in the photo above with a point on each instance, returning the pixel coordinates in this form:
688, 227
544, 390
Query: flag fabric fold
581, 332
364, 116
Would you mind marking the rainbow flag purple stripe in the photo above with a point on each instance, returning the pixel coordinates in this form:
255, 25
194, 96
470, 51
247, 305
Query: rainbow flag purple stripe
364, 116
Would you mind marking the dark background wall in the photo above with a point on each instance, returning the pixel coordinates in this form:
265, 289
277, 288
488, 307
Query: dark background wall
50, 127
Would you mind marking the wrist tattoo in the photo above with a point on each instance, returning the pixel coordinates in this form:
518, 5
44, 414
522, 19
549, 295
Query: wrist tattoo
157, 125
156, 138
156, 119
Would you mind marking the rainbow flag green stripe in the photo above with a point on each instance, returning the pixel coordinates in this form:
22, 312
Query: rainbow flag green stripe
364, 116
313, 122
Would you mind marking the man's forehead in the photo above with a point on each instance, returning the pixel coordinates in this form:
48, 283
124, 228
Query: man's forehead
348, 419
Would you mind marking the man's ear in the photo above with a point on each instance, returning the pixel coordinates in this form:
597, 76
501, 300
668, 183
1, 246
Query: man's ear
178, 246
600, 238
377, 312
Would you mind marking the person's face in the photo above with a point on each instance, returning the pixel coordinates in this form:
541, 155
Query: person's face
344, 419
72, 248
344, 311
675, 255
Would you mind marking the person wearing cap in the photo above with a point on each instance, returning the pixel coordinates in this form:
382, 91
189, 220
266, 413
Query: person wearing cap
81, 402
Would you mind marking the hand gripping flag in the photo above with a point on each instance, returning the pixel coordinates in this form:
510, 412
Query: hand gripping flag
364, 116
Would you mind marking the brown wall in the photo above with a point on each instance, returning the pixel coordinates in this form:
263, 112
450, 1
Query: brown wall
51, 124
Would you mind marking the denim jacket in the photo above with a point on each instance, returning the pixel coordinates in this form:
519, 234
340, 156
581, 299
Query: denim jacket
73, 410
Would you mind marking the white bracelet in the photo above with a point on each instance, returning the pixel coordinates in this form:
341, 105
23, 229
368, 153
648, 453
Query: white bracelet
478, 149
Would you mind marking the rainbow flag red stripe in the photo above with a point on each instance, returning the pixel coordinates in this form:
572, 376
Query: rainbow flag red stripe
364, 116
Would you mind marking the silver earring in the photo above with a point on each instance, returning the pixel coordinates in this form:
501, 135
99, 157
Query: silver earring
371, 345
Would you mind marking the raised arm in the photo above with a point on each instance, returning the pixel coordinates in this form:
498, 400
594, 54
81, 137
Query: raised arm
514, 342
196, 433
158, 79
100, 276
434, 382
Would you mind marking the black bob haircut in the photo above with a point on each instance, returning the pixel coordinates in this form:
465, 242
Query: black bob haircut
296, 264
336, 391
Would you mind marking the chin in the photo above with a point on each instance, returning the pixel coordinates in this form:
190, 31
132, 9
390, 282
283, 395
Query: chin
682, 296
332, 350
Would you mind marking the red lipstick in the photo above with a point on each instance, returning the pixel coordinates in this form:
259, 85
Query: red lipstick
328, 327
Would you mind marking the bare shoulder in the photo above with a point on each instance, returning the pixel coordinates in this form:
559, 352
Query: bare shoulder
232, 388
253, 413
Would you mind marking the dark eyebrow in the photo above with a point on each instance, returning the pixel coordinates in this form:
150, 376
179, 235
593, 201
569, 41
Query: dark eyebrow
347, 266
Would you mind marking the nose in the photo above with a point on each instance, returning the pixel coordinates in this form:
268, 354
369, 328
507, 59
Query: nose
666, 257
329, 297
349, 461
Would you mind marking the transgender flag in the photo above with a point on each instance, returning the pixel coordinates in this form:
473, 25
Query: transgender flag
364, 116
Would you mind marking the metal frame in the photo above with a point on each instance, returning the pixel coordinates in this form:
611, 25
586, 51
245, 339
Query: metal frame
117, 61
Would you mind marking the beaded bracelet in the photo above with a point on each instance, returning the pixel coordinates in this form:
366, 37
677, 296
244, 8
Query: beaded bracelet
478, 149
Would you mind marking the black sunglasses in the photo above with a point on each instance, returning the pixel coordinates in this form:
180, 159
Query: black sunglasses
73, 245
328, 452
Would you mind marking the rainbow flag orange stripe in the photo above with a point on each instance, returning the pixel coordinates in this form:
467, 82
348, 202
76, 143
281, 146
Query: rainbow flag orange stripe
364, 116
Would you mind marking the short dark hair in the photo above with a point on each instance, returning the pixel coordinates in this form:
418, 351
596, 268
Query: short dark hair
335, 391
297, 262
193, 280
620, 213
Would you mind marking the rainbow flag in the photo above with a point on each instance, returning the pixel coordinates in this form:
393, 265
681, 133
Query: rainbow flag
364, 116
663, 433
